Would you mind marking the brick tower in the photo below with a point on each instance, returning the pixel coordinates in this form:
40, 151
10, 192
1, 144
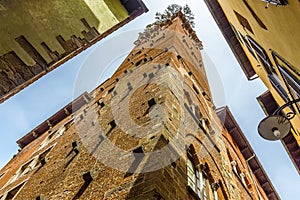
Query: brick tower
151, 131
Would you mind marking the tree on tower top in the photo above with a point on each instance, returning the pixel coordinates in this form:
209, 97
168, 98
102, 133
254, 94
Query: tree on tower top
151, 30
173, 9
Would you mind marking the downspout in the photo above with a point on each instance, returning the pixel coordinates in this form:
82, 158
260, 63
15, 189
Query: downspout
251, 175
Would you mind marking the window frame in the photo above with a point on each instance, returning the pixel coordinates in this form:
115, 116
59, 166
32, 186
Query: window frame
261, 54
18, 188
196, 181
243, 21
276, 2
287, 72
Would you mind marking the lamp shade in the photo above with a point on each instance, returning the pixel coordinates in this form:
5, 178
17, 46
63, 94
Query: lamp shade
274, 127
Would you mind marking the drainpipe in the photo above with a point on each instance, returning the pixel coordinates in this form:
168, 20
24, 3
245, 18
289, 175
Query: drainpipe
251, 175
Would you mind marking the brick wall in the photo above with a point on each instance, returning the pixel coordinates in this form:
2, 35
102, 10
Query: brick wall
132, 139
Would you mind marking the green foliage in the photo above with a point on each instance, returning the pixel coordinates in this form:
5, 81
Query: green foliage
173, 9
152, 29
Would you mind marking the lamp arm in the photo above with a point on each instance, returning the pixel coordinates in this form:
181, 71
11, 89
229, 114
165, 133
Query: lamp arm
278, 110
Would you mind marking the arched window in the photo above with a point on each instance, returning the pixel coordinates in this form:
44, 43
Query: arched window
196, 179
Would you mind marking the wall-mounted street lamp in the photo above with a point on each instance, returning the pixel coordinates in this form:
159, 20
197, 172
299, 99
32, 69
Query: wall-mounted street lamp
275, 2
275, 126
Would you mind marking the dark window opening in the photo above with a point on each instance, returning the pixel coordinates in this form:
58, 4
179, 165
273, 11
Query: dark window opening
75, 150
243, 21
25, 169
138, 63
139, 52
87, 177
196, 90
75, 147
129, 86
113, 124
151, 102
11, 194
110, 90
1, 175
173, 164
138, 157
81, 117
151, 75
40, 198
101, 103
258, 20
197, 112
42, 157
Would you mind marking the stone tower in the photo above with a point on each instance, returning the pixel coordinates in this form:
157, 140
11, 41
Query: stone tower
151, 131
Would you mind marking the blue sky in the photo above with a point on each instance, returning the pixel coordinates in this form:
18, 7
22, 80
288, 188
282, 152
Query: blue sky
36, 103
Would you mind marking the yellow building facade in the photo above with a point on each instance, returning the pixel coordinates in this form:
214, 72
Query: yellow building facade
264, 37
37, 37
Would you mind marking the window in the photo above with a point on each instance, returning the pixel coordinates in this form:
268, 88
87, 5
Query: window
237, 34
1, 175
243, 21
292, 81
11, 194
258, 20
196, 180
289, 73
261, 53
52, 136
278, 86
205, 123
41, 160
247, 44
290, 76
264, 59
25, 169
276, 2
